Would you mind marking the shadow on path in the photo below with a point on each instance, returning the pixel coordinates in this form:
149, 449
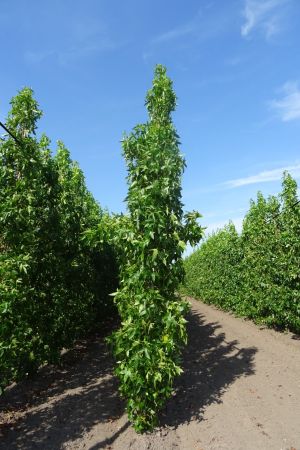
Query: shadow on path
62, 404
211, 365
106, 443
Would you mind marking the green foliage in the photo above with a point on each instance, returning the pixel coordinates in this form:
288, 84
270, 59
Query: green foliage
212, 270
151, 240
54, 285
255, 274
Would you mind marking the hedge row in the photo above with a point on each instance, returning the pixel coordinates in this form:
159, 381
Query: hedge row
54, 285
255, 274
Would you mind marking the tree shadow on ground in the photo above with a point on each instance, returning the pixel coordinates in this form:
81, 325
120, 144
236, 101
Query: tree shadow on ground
211, 365
61, 404
296, 337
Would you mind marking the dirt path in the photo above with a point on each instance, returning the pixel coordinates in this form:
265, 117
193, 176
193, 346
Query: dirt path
240, 391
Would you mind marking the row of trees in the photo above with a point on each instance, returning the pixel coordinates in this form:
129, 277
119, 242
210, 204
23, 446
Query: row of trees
54, 285
256, 273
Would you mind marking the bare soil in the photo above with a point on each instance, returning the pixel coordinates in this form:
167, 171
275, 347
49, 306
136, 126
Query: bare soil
240, 391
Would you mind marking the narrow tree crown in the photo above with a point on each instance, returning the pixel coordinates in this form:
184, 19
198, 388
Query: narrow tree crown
161, 99
24, 113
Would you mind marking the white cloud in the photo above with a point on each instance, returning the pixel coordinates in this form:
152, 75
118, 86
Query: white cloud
36, 57
70, 54
227, 213
203, 25
288, 107
82, 38
263, 177
234, 61
262, 15
175, 33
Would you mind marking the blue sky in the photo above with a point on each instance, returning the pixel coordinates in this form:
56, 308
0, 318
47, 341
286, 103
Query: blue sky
236, 71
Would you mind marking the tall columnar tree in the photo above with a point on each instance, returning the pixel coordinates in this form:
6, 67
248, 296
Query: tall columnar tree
152, 240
